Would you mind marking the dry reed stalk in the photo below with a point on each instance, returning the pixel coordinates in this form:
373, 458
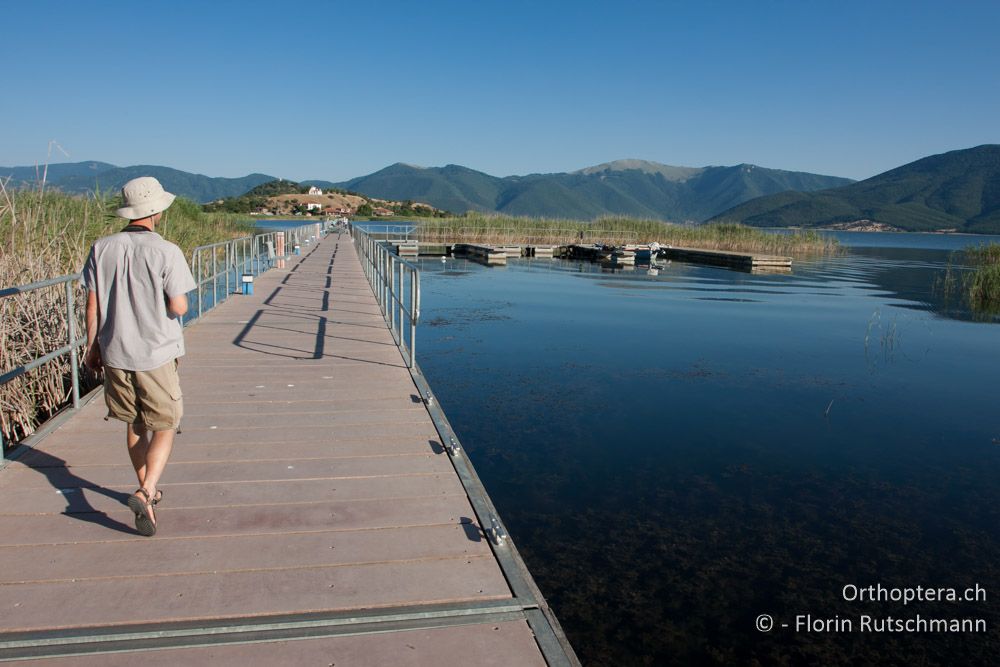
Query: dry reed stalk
45, 234
42, 236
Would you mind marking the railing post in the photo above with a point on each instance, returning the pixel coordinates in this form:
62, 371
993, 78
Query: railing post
73, 362
215, 275
414, 314
381, 278
388, 285
385, 283
392, 293
398, 302
201, 277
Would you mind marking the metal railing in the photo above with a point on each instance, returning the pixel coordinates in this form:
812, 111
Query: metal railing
396, 284
222, 265
73, 342
387, 231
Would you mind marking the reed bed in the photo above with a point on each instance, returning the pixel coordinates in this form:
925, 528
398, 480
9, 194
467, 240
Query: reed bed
46, 234
501, 230
982, 284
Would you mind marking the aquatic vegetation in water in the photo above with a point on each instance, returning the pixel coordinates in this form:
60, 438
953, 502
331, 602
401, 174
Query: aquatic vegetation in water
887, 335
980, 284
983, 284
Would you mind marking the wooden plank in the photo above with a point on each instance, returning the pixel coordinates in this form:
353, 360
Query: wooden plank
204, 596
182, 472
108, 500
81, 455
113, 434
484, 645
31, 529
235, 553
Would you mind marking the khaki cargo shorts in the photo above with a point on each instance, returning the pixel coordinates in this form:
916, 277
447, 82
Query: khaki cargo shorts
151, 399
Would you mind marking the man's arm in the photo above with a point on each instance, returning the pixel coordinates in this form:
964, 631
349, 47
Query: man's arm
177, 279
177, 305
92, 358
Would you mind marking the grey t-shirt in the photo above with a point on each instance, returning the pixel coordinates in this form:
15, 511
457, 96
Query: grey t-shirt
133, 274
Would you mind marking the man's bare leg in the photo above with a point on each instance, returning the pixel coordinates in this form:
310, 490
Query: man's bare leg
157, 455
149, 456
137, 439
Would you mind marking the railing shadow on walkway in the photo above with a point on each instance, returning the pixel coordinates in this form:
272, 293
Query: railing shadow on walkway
70, 486
319, 349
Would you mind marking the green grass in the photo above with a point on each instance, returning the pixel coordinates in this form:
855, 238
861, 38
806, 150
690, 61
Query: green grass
982, 284
45, 234
501, 229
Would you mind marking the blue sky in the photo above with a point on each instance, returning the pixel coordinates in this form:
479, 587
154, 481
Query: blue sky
332, 90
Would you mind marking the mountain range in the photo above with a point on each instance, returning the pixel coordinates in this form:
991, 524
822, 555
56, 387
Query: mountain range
626, 187
81, 177
958, 190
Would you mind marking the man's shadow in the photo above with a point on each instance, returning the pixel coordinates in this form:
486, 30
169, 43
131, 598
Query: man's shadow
71, 486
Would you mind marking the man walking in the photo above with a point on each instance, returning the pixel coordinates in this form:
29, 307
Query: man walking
136, 294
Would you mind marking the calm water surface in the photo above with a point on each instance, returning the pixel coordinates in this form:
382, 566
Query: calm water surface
675, 454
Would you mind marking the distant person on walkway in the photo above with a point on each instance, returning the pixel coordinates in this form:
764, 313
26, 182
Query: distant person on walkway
136, 294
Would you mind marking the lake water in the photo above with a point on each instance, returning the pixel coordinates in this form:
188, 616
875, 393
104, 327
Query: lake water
677, 454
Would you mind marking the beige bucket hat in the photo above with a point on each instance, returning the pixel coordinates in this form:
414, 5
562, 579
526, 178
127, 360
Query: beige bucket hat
144, 196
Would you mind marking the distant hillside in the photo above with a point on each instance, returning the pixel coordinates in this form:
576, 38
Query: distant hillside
80, 177
958, 190
282, 197
54, 173
625, 187
277, 187
452, 187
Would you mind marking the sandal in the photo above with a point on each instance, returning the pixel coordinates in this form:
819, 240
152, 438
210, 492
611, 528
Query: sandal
145, 523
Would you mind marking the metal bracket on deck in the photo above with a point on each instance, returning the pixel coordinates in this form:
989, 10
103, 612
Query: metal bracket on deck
496, 532
453, 447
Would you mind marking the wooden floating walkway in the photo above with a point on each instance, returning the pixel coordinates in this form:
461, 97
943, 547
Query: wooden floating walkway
498, 254
311, 514
740, 260
486, 253
599, 254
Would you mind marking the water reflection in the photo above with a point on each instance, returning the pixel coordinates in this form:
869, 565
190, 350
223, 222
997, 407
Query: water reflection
677, 453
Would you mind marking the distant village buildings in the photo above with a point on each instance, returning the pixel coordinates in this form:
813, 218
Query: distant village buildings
315, 191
